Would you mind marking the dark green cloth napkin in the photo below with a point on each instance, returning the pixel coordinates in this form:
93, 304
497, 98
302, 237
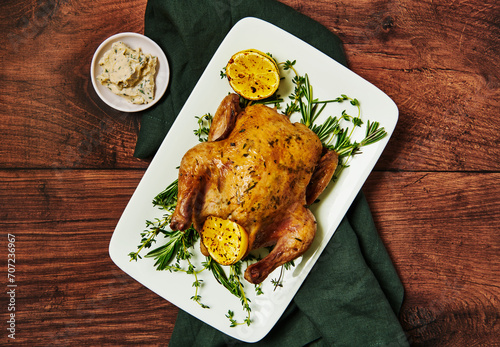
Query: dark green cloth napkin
353, 294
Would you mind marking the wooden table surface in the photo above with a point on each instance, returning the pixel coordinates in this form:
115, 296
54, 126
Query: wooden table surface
67, 168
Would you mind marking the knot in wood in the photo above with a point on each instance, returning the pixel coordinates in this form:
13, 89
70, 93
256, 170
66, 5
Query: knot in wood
387, 23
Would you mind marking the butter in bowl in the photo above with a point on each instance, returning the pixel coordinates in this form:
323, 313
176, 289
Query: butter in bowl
129, 72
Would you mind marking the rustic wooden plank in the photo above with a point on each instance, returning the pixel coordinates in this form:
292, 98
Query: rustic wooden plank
441, 230
68, 289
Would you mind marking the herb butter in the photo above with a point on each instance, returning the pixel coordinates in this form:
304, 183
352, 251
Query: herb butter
129, 73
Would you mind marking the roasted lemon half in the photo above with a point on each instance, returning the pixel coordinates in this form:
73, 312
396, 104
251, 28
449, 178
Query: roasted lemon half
253, 74
225, 240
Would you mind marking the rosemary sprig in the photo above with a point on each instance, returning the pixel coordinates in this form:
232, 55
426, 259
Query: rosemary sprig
309, 108
219, 274
164, 254
232, 284
347, 149
167, 199
304, 102
373, 133
326, 130
177, 245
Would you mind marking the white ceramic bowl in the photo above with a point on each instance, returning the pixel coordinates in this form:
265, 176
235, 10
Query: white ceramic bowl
134, 41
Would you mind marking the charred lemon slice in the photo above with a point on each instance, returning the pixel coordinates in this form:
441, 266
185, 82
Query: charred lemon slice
253, 74
225, 240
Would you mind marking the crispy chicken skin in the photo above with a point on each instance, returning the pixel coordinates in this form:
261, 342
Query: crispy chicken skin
255, 169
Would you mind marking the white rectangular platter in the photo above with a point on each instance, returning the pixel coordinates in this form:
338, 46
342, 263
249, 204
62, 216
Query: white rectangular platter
329, 80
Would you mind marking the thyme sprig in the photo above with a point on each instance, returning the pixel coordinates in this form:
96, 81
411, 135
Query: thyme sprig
204, 123
296, 96
279, 282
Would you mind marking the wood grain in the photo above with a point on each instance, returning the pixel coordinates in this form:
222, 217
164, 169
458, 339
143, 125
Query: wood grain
69, 289
55, 118
441, 231
67, 169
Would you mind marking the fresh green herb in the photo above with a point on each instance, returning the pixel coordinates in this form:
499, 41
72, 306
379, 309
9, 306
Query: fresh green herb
177, 245
232, 283
234, 277
230, 316
167, 199
178, 242
289, 65
279, 282
204, 123
309, 108
330, 130
148, 237
223, 73
373, 133
295, 96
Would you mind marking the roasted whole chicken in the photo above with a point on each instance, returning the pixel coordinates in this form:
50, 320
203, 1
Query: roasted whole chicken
260, 171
